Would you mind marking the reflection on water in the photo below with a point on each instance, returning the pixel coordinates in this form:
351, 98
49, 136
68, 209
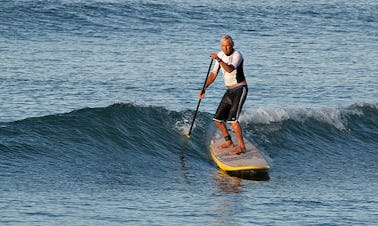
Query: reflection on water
230, 182
227, 183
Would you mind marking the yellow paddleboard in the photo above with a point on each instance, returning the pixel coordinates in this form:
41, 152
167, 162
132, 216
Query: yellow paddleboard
251, 160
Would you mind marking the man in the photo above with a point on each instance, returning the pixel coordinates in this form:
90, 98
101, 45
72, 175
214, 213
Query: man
230, 61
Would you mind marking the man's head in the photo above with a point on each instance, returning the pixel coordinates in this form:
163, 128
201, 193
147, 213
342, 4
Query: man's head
227, 44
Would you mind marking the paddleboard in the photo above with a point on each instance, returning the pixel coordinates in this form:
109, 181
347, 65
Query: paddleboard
253, 159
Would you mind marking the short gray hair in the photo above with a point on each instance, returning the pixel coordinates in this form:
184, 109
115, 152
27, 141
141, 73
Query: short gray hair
229, 38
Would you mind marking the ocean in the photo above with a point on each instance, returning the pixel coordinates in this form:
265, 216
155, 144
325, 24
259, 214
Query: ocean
96, 98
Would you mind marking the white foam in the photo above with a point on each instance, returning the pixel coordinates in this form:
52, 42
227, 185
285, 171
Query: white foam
182, 126
332, 116
265, 116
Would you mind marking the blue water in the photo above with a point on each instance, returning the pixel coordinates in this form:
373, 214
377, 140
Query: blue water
96, 97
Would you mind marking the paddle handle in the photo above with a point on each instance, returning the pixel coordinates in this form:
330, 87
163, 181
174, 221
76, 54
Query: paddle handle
199, 101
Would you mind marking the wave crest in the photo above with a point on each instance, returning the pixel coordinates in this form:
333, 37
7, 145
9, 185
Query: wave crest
336, 116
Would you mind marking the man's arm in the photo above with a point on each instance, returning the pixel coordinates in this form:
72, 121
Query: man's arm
209, 81
226, 67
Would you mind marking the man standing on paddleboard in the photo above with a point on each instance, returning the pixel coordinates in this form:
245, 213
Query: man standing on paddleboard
230, 61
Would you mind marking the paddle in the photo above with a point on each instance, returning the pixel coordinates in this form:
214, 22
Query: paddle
199, 101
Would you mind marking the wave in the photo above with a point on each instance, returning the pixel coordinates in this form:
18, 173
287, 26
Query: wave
341, 141
118, 141
149, 142
336, 116
87, 18
96, 17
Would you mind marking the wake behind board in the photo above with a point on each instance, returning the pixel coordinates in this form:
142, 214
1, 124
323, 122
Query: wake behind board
251, 160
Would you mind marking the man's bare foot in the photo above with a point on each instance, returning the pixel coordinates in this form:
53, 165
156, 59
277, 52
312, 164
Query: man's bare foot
226, 144
237, 151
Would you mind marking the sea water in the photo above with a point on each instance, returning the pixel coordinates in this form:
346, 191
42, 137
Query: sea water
96, 98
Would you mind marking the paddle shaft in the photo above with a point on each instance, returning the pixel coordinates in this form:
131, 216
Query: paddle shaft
199, 101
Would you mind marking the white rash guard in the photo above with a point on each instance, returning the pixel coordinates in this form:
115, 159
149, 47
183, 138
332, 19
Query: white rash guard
235, 59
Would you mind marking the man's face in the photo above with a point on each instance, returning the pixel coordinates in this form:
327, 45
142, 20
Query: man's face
226, 46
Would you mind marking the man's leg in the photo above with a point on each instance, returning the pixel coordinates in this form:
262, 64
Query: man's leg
240, 148
223, 128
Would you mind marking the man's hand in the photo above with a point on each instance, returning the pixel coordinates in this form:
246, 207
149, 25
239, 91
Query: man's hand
214, 56
201, 94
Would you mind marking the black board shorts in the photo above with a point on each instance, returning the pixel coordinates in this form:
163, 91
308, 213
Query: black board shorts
231, 104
